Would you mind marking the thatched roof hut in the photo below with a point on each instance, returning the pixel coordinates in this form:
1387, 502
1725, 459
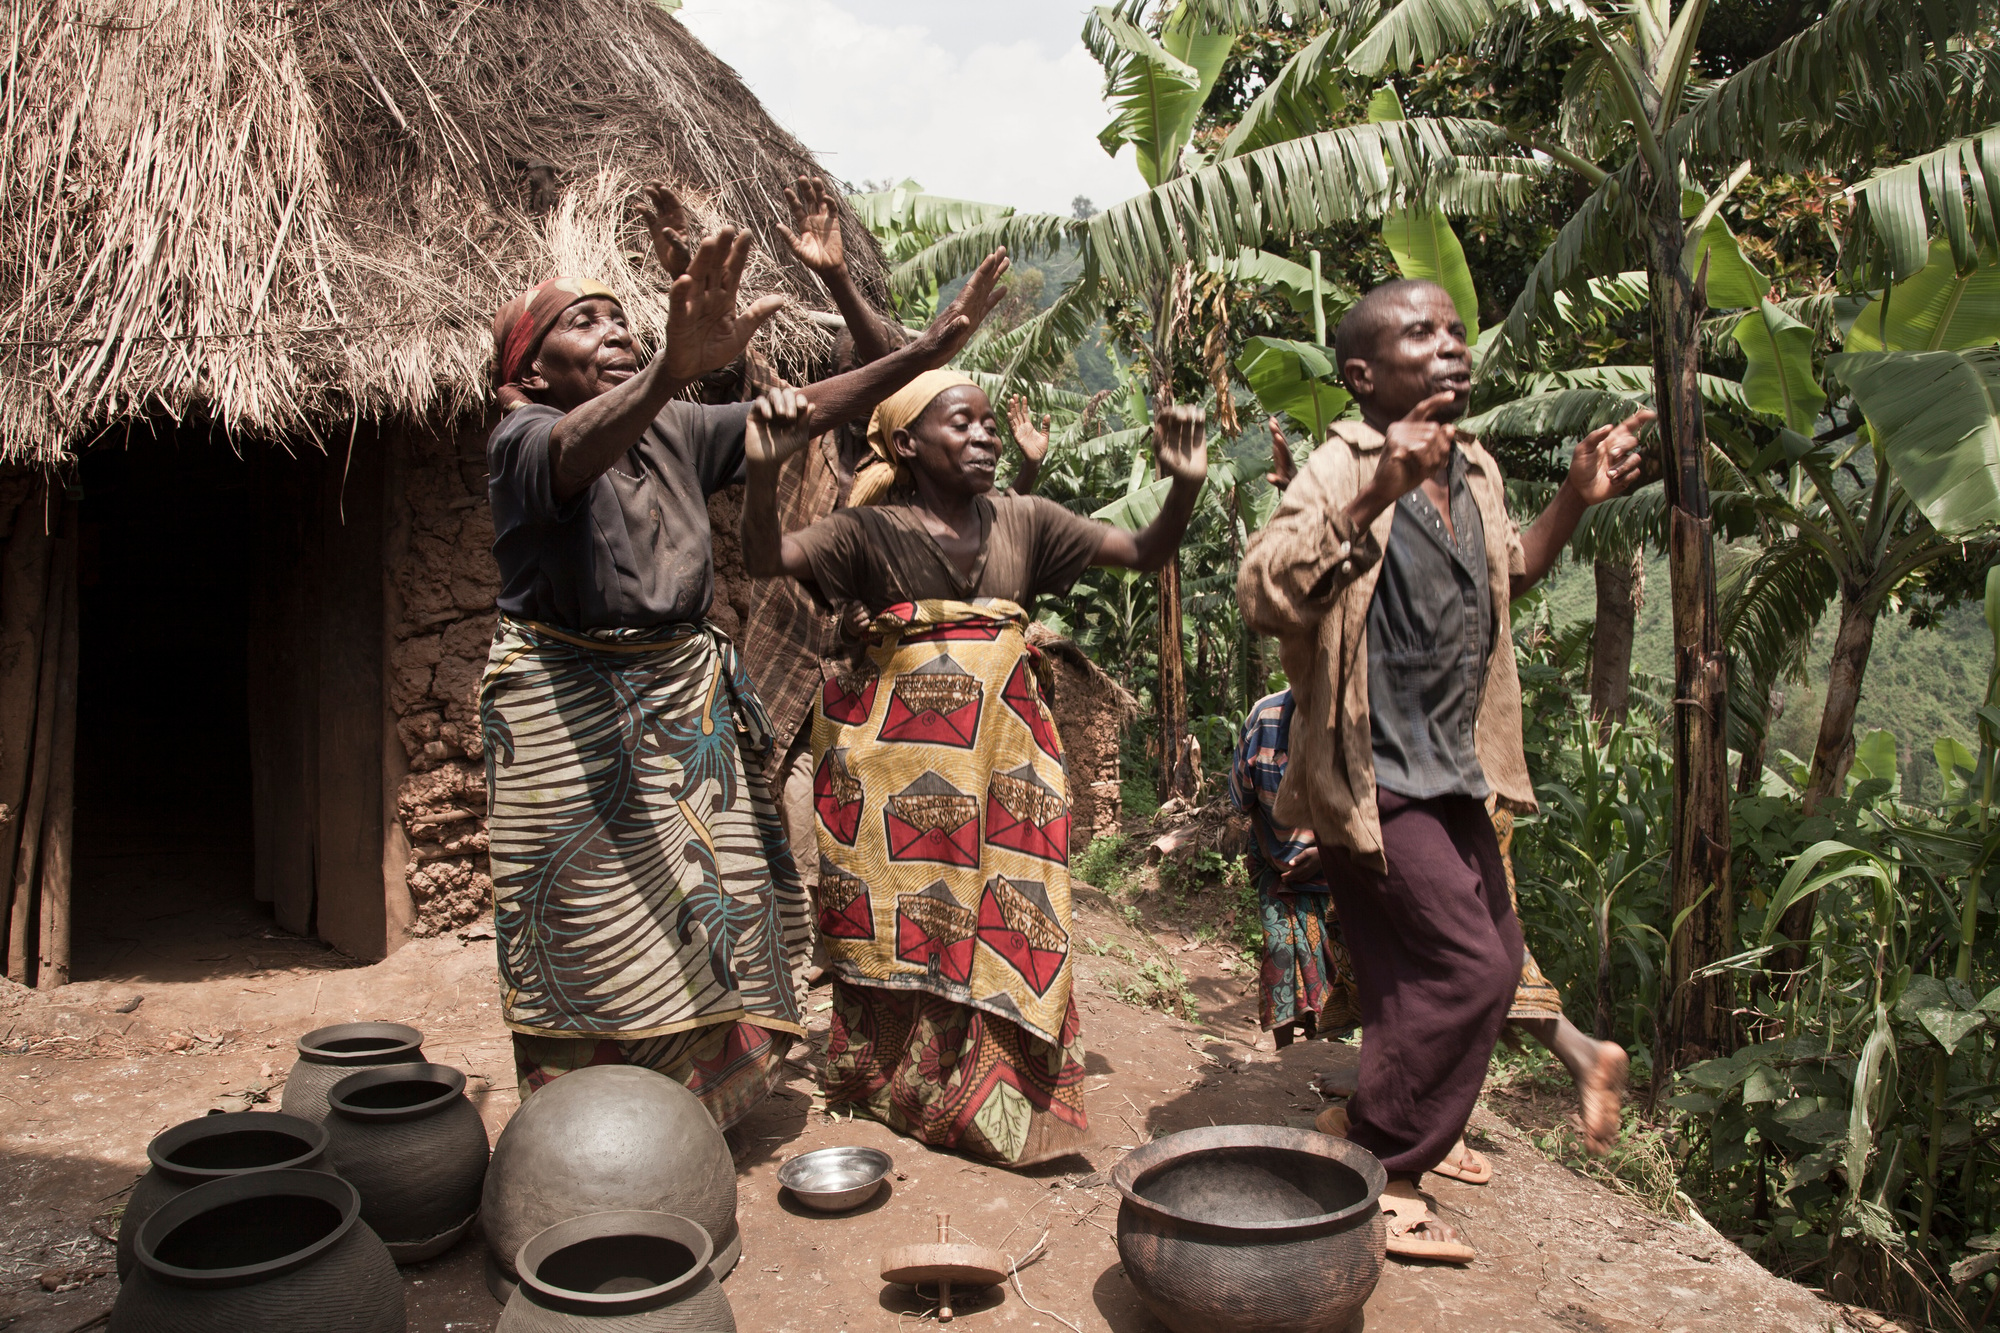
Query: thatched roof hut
282, 216
252, 252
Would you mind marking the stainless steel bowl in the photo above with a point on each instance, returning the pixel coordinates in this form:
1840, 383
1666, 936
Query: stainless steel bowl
834, 1180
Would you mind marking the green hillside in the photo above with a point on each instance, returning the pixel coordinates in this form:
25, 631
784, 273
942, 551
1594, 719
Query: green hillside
1921, 683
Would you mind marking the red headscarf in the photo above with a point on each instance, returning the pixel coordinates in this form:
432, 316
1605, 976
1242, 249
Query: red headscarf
521, 325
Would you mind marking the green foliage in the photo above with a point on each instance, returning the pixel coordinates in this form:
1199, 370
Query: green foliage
1103, 864
1938, 417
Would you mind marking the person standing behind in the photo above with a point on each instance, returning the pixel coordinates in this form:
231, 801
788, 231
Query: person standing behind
1306, 984
1386, 575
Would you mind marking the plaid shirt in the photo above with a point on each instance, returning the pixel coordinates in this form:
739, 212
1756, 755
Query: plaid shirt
787, 636
1253, 788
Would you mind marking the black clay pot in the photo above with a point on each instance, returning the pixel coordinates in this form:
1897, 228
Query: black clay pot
328, 1055
607, 1138
212, 1148
268, 1250
633, 1272
407, 1138
1251, 1228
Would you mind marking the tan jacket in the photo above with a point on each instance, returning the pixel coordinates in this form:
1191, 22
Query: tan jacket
1308, 578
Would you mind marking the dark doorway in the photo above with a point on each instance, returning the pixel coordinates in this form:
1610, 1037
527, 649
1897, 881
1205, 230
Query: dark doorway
163, 827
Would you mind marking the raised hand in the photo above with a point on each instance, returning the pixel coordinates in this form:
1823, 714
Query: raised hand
780, 425
660, 209
817, 239
1607, 461
705, 330
1033, 444
1414, 450
1180, 441
1283, 469
975, 301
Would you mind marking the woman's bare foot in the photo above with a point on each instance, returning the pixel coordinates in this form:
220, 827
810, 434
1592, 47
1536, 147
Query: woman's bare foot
1602, 1089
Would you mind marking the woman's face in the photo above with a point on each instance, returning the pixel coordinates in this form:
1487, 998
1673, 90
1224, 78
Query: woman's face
955, 444
588, 352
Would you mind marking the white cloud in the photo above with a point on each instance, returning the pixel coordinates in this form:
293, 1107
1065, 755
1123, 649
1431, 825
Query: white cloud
977, 111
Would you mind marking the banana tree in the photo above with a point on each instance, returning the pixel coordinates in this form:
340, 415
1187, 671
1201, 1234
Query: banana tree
1868, 75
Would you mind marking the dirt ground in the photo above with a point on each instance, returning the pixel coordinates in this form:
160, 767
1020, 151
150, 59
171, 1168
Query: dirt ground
86, 1079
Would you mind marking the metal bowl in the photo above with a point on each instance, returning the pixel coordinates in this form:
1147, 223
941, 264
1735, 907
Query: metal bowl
834, 1180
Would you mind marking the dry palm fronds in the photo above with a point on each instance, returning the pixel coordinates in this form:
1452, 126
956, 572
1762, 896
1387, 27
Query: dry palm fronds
281, 214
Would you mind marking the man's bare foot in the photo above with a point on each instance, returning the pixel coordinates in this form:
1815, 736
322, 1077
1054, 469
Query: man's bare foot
1602, 1089
1465, 1164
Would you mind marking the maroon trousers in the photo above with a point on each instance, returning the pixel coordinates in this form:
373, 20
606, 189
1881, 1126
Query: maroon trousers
1437, 954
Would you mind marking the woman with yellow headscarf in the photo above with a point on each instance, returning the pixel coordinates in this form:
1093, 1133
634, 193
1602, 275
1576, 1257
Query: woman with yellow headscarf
940, 800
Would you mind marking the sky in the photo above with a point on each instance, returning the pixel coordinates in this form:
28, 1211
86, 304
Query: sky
993, 100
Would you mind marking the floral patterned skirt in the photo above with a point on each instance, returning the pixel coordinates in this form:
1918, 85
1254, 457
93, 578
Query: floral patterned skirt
956, 1077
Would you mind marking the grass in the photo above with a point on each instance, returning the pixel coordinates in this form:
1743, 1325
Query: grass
1531, 1090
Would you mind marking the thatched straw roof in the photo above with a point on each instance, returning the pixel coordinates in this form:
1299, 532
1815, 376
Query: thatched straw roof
281, 214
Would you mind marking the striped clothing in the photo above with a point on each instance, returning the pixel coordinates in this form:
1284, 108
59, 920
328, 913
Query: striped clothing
1306, 977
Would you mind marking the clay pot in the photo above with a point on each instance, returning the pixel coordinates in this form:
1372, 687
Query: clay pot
407, 1138
1252, 1228
267, 1250
607, 1138
328, 1055
636, 1272
211, 1148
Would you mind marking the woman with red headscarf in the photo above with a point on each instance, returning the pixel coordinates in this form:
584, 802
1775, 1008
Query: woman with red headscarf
646, 903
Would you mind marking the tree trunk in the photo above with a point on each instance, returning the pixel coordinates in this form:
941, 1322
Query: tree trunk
1621, 591
1833, 751
1750, 770
1698, 1011
1174, 779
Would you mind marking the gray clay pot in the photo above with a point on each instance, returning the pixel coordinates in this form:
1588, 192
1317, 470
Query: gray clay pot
607, 1138
409, 1141
618, 1272
212, 1148
328, 1055
1251, 1228
268, 1250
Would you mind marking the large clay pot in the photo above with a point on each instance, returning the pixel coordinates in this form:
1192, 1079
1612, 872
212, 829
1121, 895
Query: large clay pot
268, 1250
635, 1272
328, 1055
407, 1138
211, 1148
607, 1138
1252, 1228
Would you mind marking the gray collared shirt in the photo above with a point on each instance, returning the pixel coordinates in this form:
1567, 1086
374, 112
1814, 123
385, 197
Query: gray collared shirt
1430, 631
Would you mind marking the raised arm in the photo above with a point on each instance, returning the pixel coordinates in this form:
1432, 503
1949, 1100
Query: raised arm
1181, 444
1606, 463
1318, 543
1033, 444
705, 331
781, 423
816, 241
842, 398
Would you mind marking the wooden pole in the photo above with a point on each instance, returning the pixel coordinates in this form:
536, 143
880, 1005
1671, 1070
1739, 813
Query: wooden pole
24, 592
60, 820
23, 917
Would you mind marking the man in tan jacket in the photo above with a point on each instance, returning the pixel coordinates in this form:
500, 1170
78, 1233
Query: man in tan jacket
1386, 576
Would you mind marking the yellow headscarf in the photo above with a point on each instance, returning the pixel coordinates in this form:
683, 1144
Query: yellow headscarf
883, 473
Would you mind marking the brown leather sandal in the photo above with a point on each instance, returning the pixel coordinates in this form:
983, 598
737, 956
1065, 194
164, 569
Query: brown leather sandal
1409, 1218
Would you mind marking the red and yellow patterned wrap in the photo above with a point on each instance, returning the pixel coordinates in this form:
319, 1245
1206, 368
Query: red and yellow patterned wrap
943, 816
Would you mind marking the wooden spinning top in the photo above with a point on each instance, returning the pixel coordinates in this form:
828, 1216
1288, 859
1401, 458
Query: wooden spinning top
946, 1265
